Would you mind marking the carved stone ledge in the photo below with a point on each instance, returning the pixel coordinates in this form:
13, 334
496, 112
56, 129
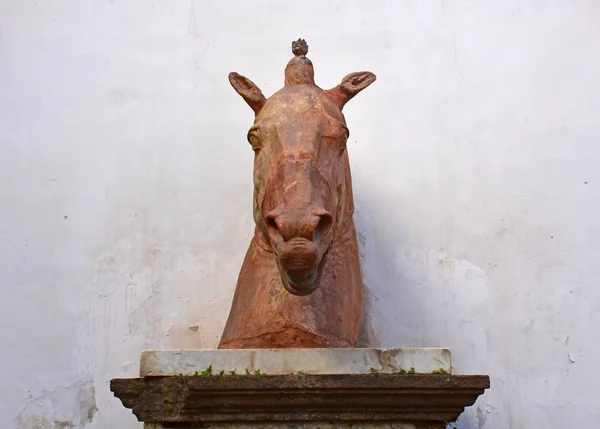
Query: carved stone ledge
279, 425
300, 401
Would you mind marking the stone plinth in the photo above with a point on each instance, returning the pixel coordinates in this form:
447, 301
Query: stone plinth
376, 391
293, 426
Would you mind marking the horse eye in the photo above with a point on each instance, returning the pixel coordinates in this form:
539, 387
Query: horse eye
254, 141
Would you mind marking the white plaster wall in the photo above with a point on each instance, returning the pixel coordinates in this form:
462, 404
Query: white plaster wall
125, 189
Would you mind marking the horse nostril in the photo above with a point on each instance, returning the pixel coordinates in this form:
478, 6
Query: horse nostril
271, 224
311, 224
324, 225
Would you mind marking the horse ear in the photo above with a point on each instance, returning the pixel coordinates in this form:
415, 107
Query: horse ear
350, 86
248, 90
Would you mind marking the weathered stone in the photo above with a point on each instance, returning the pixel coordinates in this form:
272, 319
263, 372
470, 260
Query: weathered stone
286, 361
424, 400
380, 425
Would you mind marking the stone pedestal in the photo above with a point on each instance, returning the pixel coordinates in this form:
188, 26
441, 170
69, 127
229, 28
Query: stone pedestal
298, 388
295, 426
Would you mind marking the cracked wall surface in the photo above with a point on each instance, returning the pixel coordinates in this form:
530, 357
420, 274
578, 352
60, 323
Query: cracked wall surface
126, 190
68, 407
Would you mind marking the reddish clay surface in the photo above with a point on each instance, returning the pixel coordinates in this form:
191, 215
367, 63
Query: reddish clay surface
300, 283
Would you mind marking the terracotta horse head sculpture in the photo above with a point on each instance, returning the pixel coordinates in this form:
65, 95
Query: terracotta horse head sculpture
300, 283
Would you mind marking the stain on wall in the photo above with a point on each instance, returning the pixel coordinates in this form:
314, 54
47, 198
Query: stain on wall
66, 407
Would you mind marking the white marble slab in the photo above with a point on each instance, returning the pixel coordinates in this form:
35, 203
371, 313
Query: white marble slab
289, 361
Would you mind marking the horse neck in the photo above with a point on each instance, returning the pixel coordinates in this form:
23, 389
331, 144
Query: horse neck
346, 209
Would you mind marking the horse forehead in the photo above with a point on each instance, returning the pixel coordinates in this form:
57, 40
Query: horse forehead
299, 105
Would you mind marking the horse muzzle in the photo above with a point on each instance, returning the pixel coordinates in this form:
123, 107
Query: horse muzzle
300, 237
299, 260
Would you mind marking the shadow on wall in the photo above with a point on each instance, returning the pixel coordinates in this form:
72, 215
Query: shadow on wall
418, 296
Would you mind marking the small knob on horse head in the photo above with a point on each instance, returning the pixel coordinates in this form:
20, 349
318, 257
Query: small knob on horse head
300, 47
299, 70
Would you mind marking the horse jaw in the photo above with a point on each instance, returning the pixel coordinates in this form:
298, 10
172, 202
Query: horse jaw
300, 286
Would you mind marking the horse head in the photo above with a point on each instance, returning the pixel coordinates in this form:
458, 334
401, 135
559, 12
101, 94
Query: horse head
302, 185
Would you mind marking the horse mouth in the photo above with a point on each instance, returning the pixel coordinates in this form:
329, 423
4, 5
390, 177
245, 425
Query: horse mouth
298, 263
